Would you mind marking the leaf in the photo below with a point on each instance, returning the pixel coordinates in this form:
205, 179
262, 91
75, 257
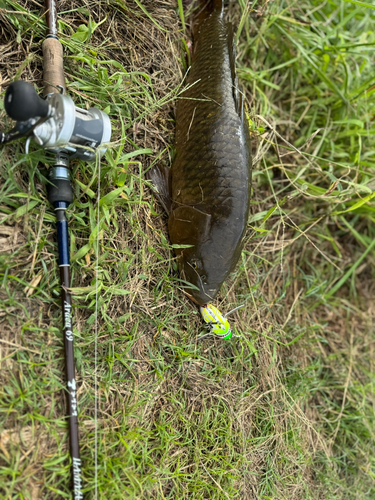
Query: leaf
163, 239
260, 230
22, 195
364, 200
269, 213
117, 291
81, 252
175, 245
110, 197
350, 271
25, 208
82, 290
30, 289
137, 152
97, 232
351, 121
82, 33
361, 4
271, 210
258, 216
85, 189
181, 11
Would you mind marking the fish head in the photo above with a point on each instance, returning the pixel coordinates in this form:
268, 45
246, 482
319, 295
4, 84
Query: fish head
197, 266
202, 254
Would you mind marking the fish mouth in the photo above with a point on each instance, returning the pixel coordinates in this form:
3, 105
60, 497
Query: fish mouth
200, 297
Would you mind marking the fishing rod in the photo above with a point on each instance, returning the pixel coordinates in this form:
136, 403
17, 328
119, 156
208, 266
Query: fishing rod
58, 126
60, 196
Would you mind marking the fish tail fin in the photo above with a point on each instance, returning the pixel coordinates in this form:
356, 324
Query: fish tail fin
213, 4
206, 7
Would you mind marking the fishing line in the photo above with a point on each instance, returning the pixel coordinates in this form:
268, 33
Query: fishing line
96, 332
242, 405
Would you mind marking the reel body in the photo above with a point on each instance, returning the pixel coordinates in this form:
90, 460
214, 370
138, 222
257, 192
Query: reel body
72, 130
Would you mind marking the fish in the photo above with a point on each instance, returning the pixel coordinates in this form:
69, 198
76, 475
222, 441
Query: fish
207, 190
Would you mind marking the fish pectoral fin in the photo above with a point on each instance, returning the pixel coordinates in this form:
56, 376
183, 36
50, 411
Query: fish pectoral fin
237, 91
189, 226
161, 178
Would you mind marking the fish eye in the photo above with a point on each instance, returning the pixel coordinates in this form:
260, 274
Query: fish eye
196, 264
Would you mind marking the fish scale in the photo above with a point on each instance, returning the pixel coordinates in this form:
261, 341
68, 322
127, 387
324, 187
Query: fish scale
211, 174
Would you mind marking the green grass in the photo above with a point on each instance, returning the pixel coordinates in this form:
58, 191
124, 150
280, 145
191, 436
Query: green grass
285, 411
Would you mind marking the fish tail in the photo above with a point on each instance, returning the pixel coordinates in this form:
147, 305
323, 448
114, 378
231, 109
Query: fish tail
206, 7
213, 4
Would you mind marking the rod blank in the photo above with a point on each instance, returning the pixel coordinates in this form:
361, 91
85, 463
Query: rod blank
53, 72
51, 17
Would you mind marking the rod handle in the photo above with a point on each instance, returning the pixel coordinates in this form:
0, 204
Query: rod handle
53, 69
22, 102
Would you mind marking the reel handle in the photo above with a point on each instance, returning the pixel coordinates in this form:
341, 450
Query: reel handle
22, 102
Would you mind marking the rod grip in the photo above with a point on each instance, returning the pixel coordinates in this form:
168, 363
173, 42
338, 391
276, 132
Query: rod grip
53, 69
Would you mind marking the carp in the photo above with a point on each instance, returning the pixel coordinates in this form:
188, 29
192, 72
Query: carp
208, 192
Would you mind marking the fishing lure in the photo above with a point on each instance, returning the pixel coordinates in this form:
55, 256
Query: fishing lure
217, 322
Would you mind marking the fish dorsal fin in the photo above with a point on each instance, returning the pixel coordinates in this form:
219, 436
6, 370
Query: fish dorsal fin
161, 178
189, 226
237, 94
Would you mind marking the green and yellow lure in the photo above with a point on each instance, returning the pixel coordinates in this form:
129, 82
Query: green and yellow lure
217, 322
